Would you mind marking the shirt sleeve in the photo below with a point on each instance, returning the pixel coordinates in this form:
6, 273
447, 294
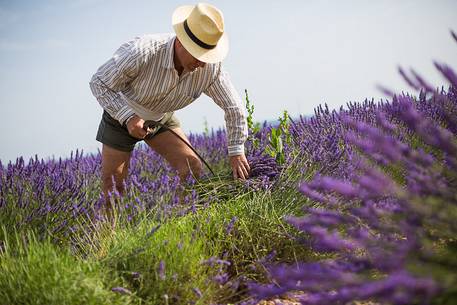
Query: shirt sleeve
225, 96
113, 77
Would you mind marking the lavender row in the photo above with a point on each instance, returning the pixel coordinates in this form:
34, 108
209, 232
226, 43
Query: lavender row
386, 186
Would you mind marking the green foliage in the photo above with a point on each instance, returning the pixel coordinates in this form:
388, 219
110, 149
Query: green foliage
277, 137
178, 246
284, 124
253, 128
205, 126
275, 146
37, 272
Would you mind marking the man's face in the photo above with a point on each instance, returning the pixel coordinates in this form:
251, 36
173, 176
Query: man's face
188, 62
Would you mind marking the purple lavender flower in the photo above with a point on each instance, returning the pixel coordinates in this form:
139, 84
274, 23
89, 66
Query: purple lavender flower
135, 275
153, 230
230, 225
121, 290
454, 35
312, 194
221, 279
197, 292
212, 261
161, 270
335, 185
448, 73
262, 165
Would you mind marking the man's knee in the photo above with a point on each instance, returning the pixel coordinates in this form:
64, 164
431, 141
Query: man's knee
192, 165
115, 164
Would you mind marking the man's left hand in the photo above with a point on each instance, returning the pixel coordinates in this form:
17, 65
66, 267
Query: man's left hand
240, 167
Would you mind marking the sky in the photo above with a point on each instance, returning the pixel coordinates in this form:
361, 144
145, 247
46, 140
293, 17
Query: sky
289, 55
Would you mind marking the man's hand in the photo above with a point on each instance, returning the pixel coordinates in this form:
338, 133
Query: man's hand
135, 127
240, 167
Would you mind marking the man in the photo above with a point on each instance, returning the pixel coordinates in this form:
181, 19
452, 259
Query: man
150, 77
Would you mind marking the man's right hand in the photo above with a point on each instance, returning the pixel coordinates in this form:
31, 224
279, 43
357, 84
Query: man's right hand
135, 127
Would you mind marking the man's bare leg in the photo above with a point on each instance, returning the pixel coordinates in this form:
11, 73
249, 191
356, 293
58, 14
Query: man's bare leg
177, 153
115, 163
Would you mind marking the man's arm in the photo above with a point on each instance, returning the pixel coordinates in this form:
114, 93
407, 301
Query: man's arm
111, 78
224, 94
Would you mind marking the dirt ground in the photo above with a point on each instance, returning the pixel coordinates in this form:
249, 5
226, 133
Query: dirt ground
291, 300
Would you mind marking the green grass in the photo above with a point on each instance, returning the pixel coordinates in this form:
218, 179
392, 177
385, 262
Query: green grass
37, 272
83, 268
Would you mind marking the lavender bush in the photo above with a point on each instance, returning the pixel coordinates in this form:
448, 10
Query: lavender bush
385, 206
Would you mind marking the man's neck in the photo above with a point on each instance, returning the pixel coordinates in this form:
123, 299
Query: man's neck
178, 66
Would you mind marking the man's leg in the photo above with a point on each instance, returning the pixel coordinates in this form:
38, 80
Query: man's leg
115, 163
177, 153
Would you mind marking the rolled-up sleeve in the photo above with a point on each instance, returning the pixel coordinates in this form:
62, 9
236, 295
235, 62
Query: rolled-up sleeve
113, 77
225, 96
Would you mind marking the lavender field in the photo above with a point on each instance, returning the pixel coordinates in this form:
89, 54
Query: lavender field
349, 206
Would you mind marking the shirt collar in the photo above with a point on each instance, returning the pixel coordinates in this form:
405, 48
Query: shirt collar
169, 52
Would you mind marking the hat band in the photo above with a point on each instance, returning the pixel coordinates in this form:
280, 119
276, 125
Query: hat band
195, 39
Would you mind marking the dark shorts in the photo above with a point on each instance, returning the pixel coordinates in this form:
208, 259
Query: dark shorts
115, 135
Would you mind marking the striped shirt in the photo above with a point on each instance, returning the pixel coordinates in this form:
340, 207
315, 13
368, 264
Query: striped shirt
141, 79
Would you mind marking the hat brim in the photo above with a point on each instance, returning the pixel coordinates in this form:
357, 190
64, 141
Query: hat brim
209, 56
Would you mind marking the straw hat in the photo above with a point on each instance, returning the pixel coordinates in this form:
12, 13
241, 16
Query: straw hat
200, 29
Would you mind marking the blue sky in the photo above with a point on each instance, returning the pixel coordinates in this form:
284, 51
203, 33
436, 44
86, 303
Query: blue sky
290, 55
